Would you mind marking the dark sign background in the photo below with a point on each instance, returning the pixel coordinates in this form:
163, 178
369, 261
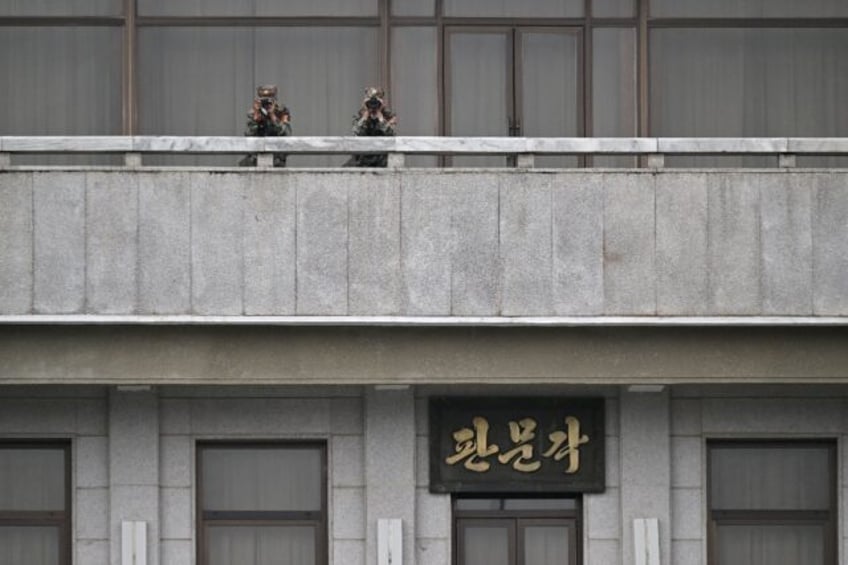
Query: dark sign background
449, 414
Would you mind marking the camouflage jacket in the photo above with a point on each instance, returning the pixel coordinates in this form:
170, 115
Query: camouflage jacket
267, 128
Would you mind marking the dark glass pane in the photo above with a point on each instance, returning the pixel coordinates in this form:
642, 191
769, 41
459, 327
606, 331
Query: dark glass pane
770, 545
414, 95
60, 81
478, 85
29, 545
749, 8
261, 545
546, 545
613, 9
414, 7
540, 504
32, 479
478, 504
58, 8
262, 479
514, 8
748, 83
614, 89
290, 8
549, 85
770, 478
486, 545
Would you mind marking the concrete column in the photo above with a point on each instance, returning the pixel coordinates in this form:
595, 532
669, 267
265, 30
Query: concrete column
390, 466
645, 467
134, 466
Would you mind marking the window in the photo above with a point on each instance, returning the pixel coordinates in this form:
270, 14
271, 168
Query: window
262, 504
34, 503
772, 503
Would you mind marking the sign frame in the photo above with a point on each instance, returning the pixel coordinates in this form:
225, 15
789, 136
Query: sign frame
447, 415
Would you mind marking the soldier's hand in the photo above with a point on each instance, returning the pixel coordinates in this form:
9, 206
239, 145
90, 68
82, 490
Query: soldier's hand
285, 118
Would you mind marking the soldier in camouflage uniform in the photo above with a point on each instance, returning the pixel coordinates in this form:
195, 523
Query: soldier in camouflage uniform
374, 119
267, 118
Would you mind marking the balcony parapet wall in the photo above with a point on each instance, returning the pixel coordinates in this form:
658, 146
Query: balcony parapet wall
419, 246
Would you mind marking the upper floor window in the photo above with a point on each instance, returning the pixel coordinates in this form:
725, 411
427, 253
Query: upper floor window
772, 503
34, 503
262, 504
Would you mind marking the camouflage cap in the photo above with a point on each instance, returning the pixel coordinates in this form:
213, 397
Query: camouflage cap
267, 91
373, 91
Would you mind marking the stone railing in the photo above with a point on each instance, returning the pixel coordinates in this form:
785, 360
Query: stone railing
524, 150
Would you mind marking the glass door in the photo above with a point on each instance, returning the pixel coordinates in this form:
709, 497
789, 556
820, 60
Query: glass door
516, 531
513, 81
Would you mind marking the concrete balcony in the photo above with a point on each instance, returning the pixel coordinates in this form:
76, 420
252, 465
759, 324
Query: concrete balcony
519, 246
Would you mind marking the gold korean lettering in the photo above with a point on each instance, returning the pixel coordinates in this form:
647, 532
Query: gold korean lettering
521, 433
473, 446
567, 443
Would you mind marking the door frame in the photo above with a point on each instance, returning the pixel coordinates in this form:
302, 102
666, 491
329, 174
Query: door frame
517, 520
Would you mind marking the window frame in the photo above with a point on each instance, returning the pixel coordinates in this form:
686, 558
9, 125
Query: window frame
827, 519
205, 519
61, 519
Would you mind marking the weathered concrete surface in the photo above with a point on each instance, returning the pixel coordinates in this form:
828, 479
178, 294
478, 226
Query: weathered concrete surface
304, 355
424, 243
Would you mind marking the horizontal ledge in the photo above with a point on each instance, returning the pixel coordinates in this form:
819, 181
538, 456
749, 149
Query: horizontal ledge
423, 145
425, 321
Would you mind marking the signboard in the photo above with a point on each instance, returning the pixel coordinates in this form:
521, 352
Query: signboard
516, 445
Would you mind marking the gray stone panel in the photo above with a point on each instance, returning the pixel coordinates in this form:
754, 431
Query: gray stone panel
687, 514
135, 503
346, 416
475, 261
645, 457
787, 245
34, 417
59, 248
91, 416
374, 262
175, 461
133, 439
269, 245
174, 416
432, 551
629, 273
348, 510
164, 243
682, 276
16, 243
426, 243
389, 470
92, 513
613, 461
830, 245
603, 552
348, 552
92, 551
686, 461
770, 416
322, 246
686, 416
177, 552
260, 416
734, 244
92, 462
577, 203
217, 274
603, 514
112, 248
687, 552
526, 246
347, 459
176, 512
432, 515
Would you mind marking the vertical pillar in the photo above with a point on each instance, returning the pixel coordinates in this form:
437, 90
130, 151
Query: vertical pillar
134, 466
390, 466
645, 468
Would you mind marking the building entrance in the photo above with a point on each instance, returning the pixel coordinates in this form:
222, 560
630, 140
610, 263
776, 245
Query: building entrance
516, 531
